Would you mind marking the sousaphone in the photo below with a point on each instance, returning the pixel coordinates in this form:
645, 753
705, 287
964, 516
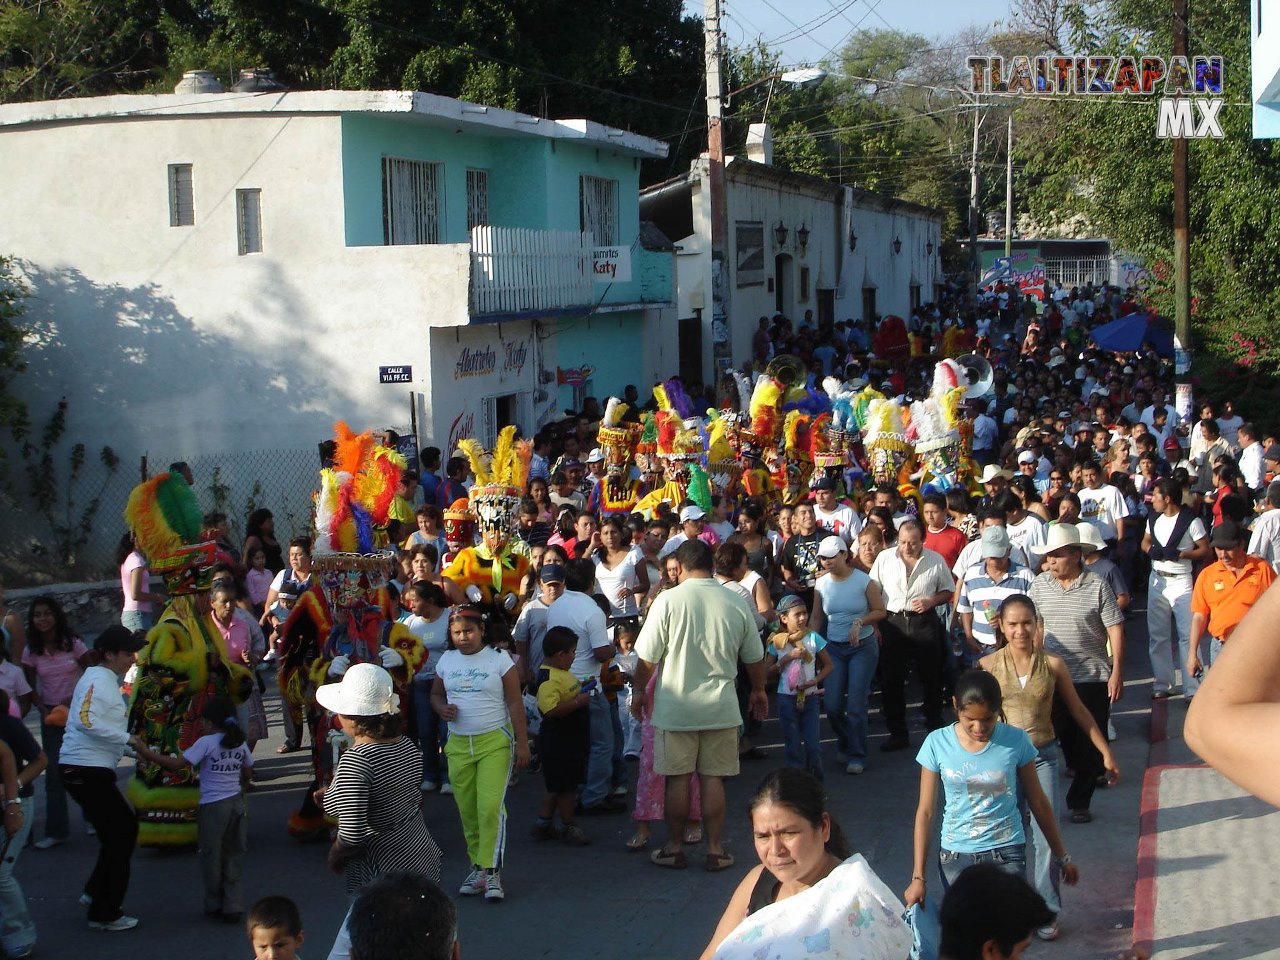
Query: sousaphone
978, 375
787, 369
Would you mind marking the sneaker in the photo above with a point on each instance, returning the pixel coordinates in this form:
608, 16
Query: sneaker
86, 900
88, 828
572, 835
446, 787
543, 831
854, 767
1048, 933
493, 887
121, 922
49, 843
429, 786
474, 883
619, 791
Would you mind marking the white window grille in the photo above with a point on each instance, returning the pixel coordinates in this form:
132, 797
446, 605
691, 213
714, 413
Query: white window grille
412, 202
182, 205
598, 209
477, 198
249, 220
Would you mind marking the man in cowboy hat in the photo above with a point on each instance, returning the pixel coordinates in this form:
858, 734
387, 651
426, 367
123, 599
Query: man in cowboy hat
995, 481
1080, 616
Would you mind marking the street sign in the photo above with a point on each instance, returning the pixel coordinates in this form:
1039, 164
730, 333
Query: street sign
395, 374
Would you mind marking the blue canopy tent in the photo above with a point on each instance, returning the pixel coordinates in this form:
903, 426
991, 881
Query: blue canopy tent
1129, 333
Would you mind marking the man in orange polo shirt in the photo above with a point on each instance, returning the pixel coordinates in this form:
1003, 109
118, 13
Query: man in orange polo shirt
1225, 590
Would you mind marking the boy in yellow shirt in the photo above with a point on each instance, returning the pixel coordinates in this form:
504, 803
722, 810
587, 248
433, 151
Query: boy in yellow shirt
564, 738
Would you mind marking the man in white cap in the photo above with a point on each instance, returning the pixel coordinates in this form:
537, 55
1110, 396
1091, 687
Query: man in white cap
984, 587
693, 526
1029, 466
1080, 616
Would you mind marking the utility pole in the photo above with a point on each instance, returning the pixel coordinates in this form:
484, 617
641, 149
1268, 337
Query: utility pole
719, 212
1008, 193
1181, 242
974, 260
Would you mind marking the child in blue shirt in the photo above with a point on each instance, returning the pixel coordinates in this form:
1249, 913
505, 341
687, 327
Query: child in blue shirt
800, 663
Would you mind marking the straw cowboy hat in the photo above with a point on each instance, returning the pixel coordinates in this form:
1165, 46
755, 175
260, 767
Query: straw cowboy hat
1090, 538
1061, 535
991, 471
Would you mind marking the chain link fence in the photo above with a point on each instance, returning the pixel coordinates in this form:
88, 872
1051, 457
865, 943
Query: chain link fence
75, 538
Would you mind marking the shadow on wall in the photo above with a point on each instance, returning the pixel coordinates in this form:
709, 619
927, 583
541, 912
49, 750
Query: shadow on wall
140, 375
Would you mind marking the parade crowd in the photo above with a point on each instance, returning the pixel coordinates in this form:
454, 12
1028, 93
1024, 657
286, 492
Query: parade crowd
957, 508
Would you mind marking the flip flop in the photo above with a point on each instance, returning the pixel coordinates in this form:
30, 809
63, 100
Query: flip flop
637, 843
718, 861
672, 861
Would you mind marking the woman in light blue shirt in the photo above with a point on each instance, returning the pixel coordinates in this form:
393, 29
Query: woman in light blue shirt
846, 605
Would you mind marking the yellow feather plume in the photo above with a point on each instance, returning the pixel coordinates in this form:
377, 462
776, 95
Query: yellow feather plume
474, 453
660, 396
503, 456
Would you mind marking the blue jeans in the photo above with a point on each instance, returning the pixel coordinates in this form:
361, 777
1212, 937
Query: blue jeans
801, 733
618, 775
847, 691
56, 819
1011, 859
433, 733
1048, 873
137, 620
600, 758
17, 930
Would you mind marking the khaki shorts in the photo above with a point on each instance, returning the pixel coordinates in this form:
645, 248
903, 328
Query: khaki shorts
712, 753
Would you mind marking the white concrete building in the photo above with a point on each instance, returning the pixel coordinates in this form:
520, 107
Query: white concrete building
215, 272
796, 245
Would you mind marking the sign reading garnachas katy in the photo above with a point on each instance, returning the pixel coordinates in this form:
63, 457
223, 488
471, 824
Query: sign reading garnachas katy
1174, 80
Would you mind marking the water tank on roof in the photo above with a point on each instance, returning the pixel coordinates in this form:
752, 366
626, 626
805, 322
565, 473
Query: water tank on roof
198, 81
258, 80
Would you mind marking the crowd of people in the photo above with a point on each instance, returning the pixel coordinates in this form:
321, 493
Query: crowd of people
647, 619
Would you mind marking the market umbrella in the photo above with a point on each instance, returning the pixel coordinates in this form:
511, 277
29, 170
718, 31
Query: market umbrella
1129, 333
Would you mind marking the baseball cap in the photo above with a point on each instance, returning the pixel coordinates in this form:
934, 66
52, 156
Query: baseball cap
824, 483
595, 456
1228, 534
832, 546
1026, 456
692, 512
995, 543
119, 639
552, 573
568, 462
1272, 453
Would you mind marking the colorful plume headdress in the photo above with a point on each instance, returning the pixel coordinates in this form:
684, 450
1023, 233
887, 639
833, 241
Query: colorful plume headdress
167, 527
356, 493
500, 478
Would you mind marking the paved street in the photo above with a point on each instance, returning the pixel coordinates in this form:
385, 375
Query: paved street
599, 901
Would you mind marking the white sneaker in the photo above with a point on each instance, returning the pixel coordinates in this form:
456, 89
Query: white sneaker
1048, 933
429, 786
49, 843
474, 883
493, 887
619, 791
854, 767
121, 922
446, 787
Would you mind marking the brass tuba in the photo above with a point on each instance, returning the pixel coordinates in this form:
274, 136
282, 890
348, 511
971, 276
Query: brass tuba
787, 369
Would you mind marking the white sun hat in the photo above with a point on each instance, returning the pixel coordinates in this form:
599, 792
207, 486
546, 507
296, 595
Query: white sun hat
365, 690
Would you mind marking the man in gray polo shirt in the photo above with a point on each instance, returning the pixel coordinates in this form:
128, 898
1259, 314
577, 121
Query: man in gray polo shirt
1080, 615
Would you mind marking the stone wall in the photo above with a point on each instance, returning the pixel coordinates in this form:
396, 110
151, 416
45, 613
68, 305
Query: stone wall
90, 607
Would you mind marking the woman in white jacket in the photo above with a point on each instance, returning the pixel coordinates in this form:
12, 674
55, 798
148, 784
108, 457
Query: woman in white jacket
96, 738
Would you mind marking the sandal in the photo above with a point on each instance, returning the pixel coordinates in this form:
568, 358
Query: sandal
672, 861
637, 843
692, 835
718, 861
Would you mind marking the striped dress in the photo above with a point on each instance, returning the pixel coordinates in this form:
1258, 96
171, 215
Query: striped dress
375, 798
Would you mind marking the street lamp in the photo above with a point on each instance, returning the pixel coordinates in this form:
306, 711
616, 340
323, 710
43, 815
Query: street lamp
897, 245
802, 237
780, 234
804, 78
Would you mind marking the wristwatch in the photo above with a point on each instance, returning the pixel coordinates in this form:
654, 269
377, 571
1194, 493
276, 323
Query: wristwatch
1064, 859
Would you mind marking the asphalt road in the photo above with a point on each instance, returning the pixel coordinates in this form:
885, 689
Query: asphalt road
590, 902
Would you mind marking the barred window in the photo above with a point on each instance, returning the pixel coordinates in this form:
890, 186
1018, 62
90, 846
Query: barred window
598, 209
182, 205
477, 198
412, 202
249, 220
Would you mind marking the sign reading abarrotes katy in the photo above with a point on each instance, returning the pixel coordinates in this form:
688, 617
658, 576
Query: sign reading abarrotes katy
1190, 88
611, 264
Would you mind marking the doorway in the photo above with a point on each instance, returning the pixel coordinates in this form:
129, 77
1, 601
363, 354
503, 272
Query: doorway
869, 307
690, 349
782, 284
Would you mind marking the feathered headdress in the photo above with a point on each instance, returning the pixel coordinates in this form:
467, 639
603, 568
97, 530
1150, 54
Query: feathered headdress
614, 435
356, 493
499, 481
886, 442
766, 417
167, 527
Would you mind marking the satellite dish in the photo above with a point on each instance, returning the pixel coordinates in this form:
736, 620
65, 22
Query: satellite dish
978, 375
